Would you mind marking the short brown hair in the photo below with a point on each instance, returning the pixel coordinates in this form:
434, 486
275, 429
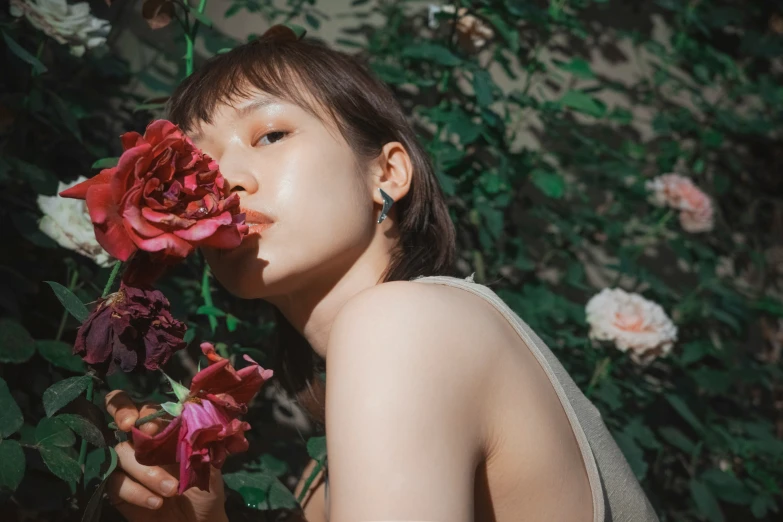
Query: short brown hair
368, 116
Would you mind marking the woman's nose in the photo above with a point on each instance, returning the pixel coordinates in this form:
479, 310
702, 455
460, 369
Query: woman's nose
239, 179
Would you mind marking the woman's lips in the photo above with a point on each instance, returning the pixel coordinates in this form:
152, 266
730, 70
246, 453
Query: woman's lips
257, 221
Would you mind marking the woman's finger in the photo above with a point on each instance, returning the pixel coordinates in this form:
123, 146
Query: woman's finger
155, 425
154, 478
122, 489
122, 408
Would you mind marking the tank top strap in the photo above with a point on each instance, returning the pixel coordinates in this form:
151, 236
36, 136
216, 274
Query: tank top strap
567, 391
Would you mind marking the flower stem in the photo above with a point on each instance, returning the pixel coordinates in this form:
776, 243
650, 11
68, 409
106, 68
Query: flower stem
310, 479
206, 294
112, 277
138, 423
83, 447
188, 55
64, 318
190, 38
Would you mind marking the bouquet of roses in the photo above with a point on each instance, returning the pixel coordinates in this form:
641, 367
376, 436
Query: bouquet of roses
163, 199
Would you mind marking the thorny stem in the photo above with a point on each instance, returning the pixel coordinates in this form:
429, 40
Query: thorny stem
112, 277
145, 419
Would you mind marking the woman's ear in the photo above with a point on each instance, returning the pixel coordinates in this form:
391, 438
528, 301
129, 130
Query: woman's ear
394, 172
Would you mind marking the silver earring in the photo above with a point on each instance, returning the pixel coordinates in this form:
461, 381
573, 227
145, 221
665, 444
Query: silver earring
387, 203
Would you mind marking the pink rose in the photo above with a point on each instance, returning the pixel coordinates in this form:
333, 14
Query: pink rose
207, 430
633, 323
679, 193
164, 196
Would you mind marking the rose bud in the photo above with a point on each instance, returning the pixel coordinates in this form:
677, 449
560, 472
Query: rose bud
205, 428
164, 196
131, 329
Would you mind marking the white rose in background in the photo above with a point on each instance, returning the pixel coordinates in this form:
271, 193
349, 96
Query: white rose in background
633, 323
68, 24
67, 221
468, 26
679, 193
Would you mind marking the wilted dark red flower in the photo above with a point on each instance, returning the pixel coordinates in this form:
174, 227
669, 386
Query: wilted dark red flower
207, 430
130, 329
164, 196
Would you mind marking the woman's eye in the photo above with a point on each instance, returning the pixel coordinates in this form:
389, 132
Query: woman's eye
272, 136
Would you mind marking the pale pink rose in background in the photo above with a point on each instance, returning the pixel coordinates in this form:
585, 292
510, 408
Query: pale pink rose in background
468, 26
632, 322
679, 193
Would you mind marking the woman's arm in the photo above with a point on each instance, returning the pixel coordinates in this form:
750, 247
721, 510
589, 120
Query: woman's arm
403, 407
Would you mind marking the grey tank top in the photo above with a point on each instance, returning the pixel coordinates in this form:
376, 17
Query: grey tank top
617, 495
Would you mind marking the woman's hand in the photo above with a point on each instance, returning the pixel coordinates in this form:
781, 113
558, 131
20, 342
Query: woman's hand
149, 493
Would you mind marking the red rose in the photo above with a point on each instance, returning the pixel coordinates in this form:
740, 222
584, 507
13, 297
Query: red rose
164, 196
130, 329
207, 429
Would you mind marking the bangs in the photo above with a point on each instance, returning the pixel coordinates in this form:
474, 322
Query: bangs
279, 69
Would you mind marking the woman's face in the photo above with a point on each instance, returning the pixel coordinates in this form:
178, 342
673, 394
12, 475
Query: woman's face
285, 163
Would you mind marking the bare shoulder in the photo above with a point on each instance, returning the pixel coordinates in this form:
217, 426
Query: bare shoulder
421, 302
402, 376
440, 337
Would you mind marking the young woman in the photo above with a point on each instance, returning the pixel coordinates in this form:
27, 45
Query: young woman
440, 403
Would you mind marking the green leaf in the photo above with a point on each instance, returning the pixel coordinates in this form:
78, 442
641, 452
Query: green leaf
633, 454
172, 408
13, 462
112, 463
482, 86
232, 322
705, 501
105, 163
432, 52
259, 489
54, 432
60, 463
60, 354
16, 344
684, 411
210, 310
389, 73
582, 102
21, 53
92, 513
179, 390
68, 118
550, 183
677, 439
69, 300
61, 393
316, 448
201, 17
11, 419
84, 428
273, 465
312, 21
578, 67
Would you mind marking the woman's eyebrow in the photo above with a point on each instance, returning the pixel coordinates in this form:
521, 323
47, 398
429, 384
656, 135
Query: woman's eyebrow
254, 105
242, 112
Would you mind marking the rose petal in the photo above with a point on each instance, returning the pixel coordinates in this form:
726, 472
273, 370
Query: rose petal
160, 449
215, 378
80, 191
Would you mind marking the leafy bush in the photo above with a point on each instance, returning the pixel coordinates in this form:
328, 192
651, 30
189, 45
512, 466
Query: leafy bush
547, 162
